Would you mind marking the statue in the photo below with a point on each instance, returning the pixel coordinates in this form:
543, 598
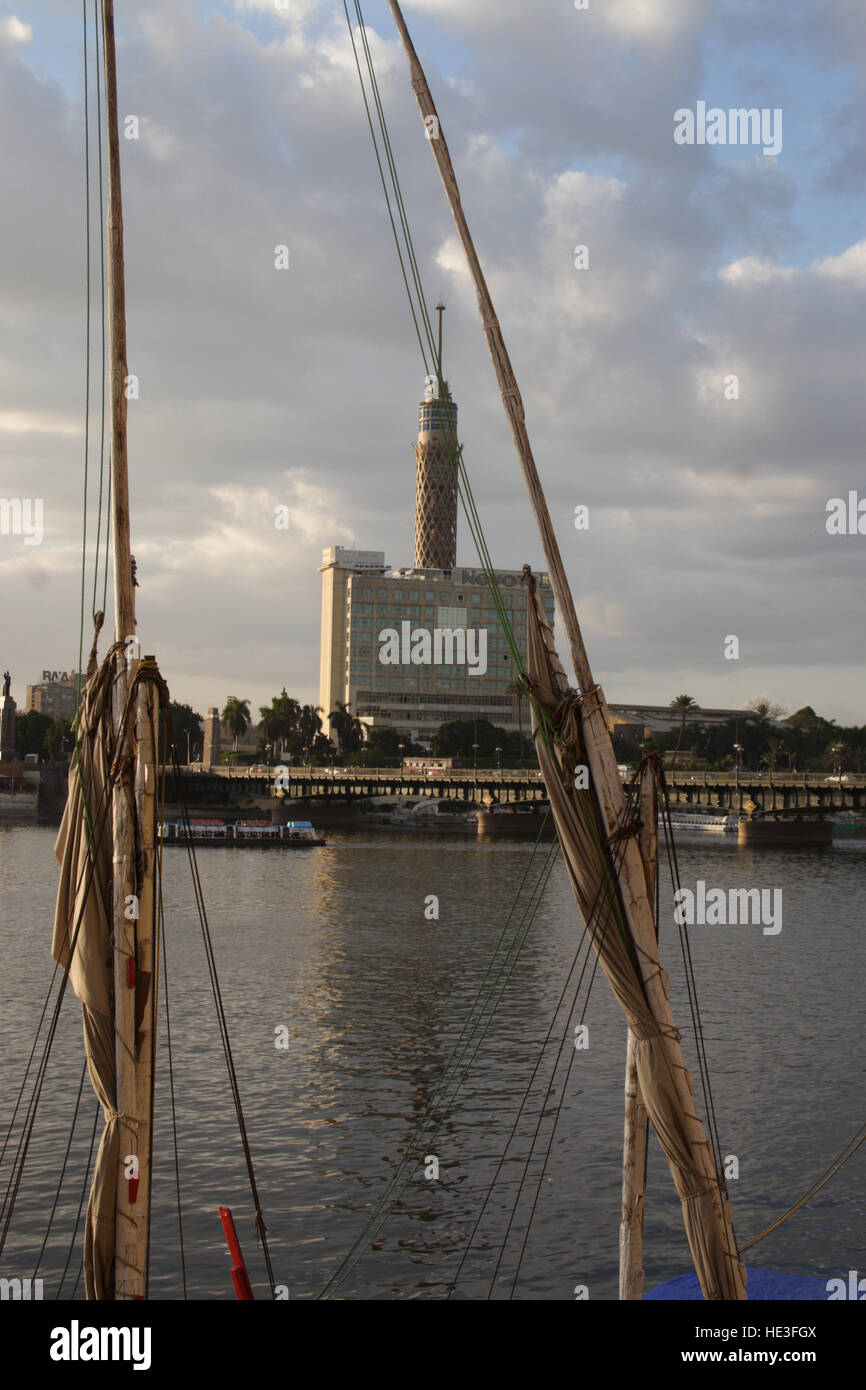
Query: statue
7, 684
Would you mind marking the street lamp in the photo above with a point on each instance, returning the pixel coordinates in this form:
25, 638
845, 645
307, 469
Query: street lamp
268, 751
499, 762
475, 763
188, 758
738, 753
401, 746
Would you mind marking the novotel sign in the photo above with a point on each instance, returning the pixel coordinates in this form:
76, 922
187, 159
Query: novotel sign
59, 677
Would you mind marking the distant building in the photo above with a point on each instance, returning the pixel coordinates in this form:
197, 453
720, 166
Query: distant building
648, 720
415, 648
56, 695
359, 604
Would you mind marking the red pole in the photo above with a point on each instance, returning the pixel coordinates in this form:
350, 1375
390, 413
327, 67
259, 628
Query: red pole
240, 1278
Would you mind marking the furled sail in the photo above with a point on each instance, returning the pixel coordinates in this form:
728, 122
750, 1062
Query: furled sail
83, 941
590, 855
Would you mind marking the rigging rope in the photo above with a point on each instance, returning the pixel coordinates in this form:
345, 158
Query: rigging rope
261, 1229
830, 1172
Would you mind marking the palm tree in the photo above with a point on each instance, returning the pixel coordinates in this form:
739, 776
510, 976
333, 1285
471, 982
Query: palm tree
309, 724
279, 721
769, 759
350, 731
682, 704
236, 717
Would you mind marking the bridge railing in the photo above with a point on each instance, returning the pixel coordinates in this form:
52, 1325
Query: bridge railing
394, 774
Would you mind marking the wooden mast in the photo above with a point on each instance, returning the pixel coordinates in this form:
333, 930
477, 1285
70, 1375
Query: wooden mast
599, 749
636, 1125
133, 788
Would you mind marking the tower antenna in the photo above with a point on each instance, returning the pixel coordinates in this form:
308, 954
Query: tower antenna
440, 309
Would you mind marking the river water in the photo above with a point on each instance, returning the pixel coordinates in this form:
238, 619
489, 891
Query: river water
334, 945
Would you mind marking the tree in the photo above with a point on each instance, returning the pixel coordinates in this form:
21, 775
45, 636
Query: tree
386, 739
771, 757
349, 730
765, 709
322, 748
310, 724
30, 731
187, 728
236, 717
682, 704
457, 737
59, 741
279, 723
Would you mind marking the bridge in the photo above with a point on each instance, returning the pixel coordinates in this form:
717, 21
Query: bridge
711, 791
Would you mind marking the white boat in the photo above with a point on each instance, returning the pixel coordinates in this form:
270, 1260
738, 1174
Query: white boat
719, 824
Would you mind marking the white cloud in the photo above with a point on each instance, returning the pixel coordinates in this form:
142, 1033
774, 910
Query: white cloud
14, 31
850, 265
749, 272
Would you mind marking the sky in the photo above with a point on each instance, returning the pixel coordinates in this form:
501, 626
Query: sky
262, 388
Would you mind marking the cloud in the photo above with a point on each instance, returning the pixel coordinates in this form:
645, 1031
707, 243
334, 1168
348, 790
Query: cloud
300, 388
14, 31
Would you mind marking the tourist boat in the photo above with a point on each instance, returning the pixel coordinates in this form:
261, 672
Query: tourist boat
718, 824
297, 834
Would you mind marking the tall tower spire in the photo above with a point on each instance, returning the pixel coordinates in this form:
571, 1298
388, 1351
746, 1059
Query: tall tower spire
436, 473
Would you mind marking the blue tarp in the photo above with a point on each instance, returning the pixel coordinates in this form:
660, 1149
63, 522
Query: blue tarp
763, 1284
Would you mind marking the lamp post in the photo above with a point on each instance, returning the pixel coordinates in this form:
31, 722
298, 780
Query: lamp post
738, 753
499, 762
268, 750
401, 746
475, 763
188, 758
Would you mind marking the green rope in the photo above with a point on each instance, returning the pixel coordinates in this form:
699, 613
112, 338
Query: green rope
87, 349
102, 321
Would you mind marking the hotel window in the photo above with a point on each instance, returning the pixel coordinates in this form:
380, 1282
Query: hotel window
367, 593
380, 680
429, 596
476, 598
428, 684
398, 593
461, 598
381, 593
413, 593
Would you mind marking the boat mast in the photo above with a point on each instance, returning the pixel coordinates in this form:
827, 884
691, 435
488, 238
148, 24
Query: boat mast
599, 749
636, 1125
133, 787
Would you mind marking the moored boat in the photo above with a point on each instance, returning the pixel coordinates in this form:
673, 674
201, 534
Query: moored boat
297, 834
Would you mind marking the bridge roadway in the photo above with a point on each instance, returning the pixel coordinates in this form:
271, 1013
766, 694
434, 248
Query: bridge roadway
716, 791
